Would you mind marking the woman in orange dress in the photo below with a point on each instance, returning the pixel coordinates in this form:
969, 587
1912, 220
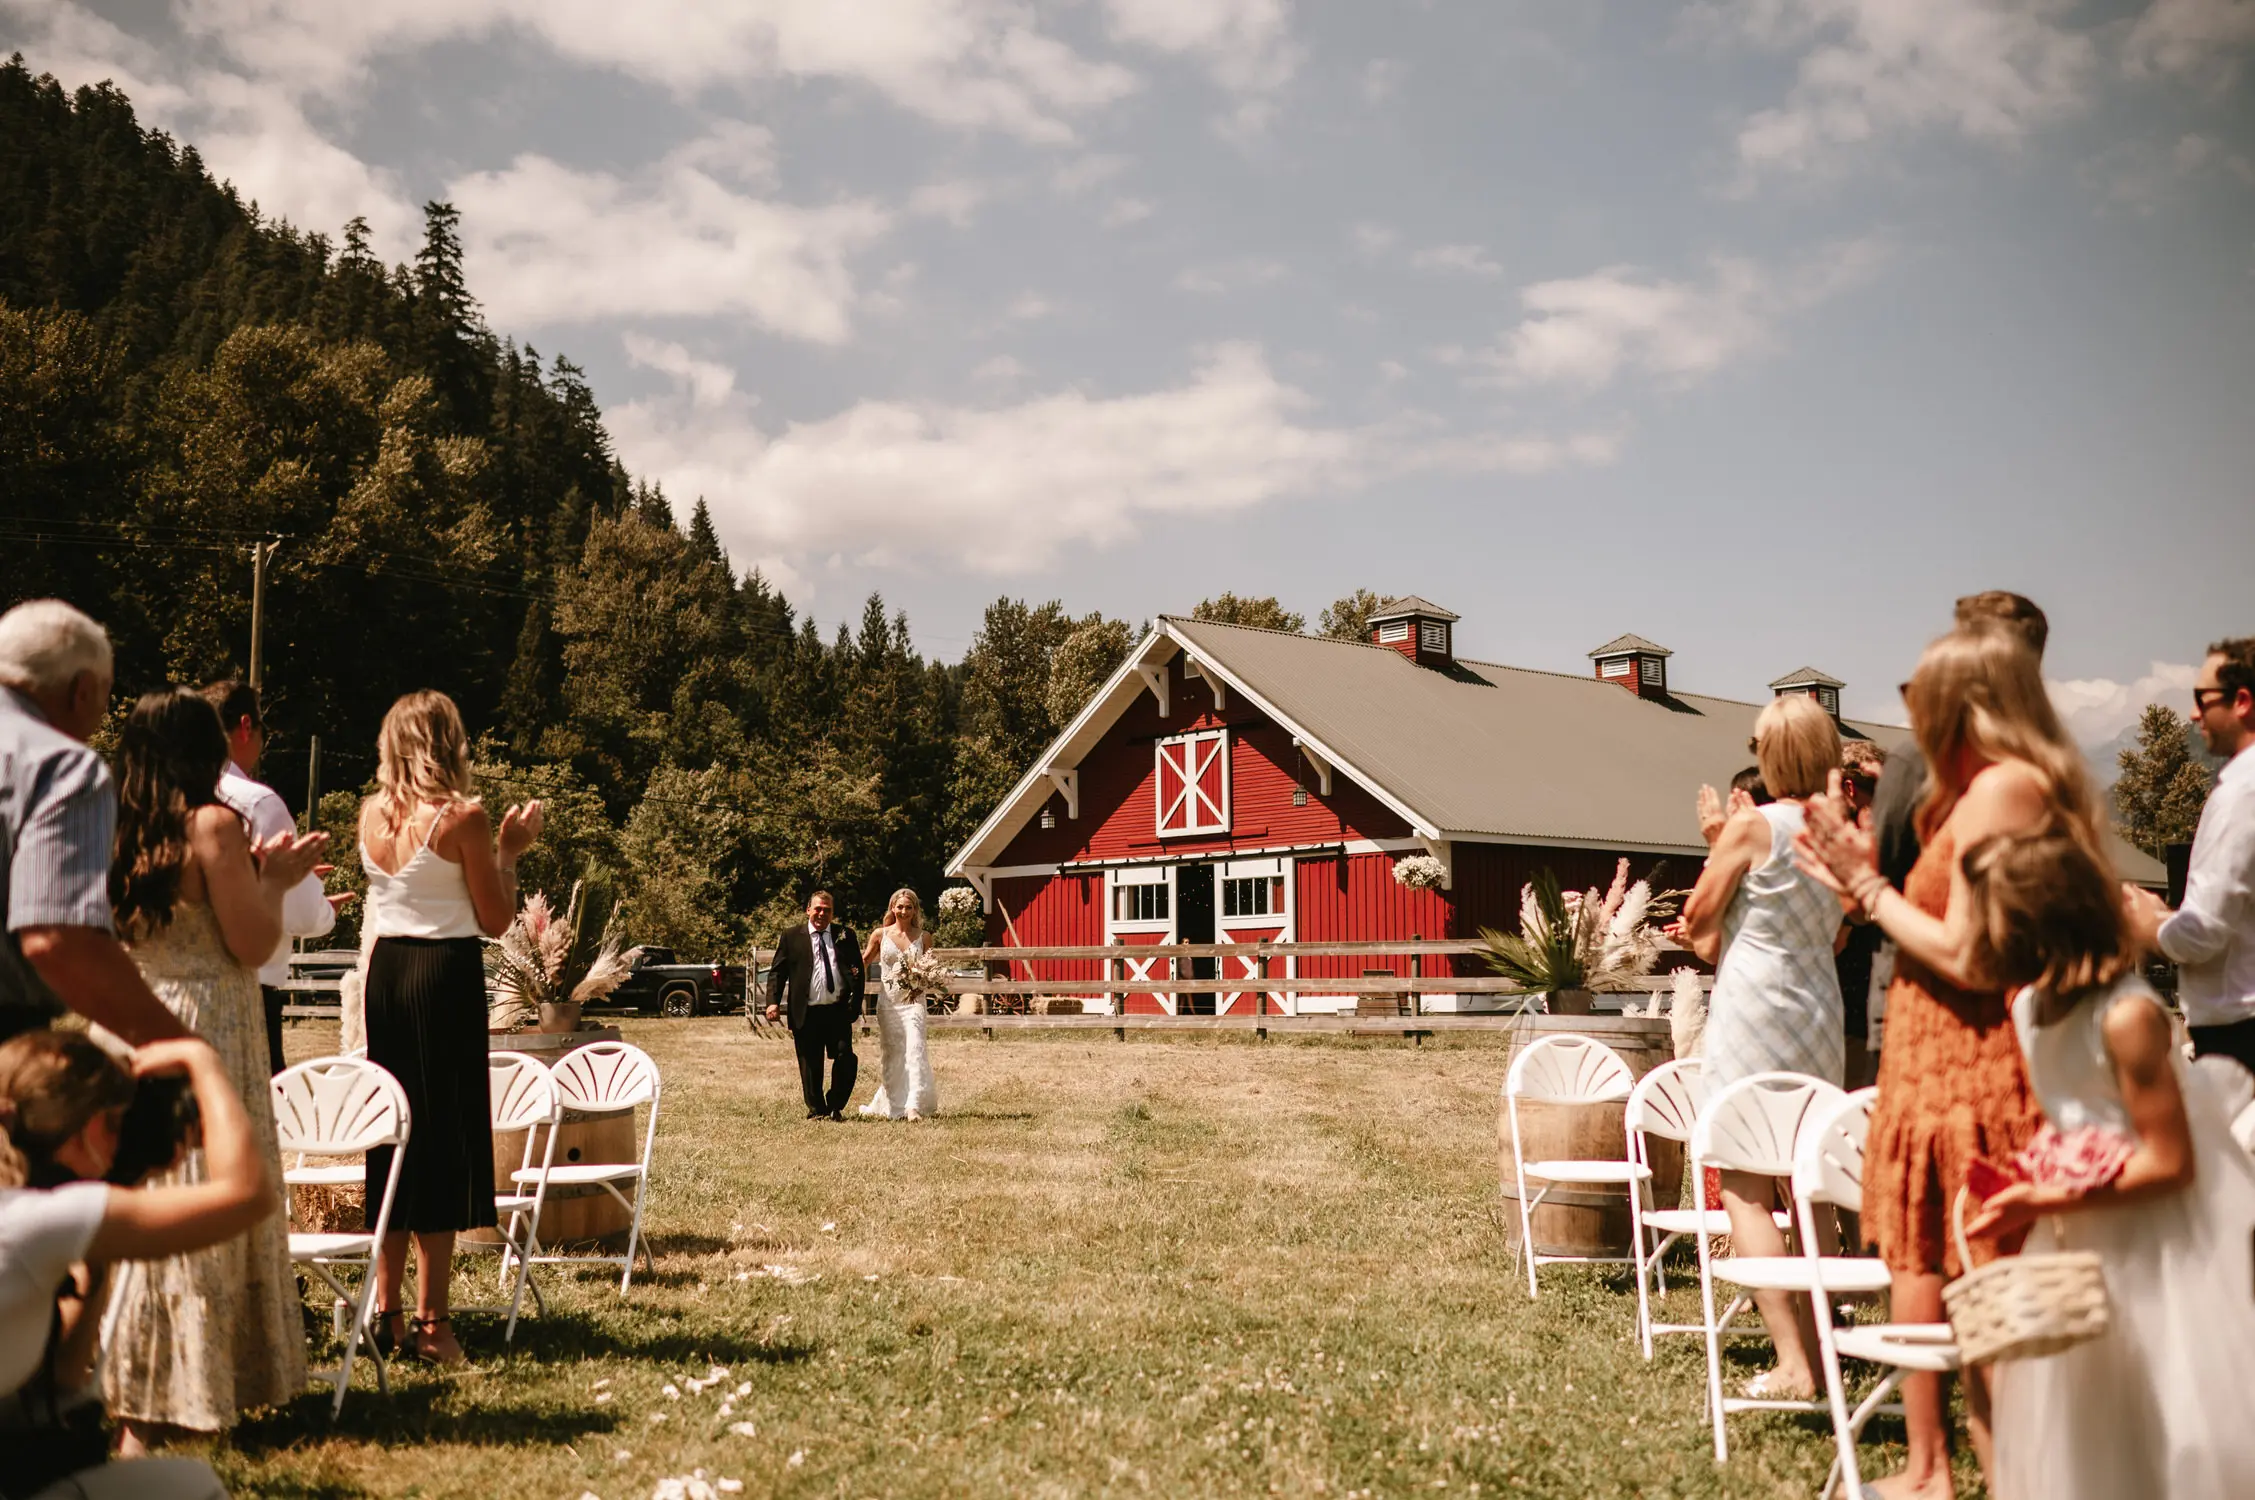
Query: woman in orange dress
1952, 1086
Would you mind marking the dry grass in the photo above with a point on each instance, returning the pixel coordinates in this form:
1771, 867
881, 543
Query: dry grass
1154, 1267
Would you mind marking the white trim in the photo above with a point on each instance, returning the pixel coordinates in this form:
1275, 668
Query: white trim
1393, 632
1284, 921
1322, 766
1441, 850
1199, 751
1164, 932
1219, 688
1068, 782
1155, 678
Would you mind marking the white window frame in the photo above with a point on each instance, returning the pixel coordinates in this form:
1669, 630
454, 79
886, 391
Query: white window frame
1433, 636
1616, 666
1190, 798
1651, 670
1138, 875
1393, 632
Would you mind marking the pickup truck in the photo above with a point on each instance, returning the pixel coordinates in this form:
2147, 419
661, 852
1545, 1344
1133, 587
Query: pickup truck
660, 986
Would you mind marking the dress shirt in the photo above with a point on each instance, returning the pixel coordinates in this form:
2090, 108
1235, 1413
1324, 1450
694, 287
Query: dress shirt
306, 911
58, 819
2211, 938
825, 982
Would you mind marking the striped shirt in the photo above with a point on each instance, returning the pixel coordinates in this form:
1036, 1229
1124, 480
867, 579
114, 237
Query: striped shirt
58, 816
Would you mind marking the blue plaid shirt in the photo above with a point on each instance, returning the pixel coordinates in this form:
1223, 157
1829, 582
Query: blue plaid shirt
58, 816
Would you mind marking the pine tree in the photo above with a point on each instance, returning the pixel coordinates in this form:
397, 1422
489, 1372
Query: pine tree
2162, 787
704, 542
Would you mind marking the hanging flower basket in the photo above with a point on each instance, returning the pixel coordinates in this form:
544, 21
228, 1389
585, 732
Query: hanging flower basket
1420, 872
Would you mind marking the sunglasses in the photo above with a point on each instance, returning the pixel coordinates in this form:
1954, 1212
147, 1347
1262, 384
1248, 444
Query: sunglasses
2201, 699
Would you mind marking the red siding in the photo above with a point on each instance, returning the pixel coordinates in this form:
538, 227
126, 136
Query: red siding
1355, 898
1119, 813
1062, 912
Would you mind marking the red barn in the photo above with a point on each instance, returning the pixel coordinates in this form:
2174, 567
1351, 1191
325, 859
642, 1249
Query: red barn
1231, 784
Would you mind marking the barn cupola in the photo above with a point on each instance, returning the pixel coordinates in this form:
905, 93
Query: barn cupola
1418, 628
1810, 683
1633, 662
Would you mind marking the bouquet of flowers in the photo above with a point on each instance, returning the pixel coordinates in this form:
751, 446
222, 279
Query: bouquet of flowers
1582, 940
960, 922
923, 978
547, 957
2073, 1161
1420, 872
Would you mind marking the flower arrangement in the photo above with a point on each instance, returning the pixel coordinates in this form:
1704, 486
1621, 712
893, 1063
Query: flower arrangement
1420, 872
549, 957
1582, 940
1687, 1012
923, 978
960, 921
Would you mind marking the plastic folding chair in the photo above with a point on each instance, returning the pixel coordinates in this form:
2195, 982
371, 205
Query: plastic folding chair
1830, 1170
1755, 1125
524, 1098
342, 1106
1565, 1070
603, 1078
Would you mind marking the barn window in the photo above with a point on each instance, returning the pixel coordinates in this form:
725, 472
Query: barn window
1651, 665
1193, 783
1393, 631
1433, 635
1140, 895
1829, 699
1617, 667
1252, 896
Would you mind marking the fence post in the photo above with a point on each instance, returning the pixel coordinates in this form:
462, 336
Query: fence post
1260, 962
1416, 974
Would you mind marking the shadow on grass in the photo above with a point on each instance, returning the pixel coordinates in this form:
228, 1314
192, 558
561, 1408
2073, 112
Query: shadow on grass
663, 1245
566, 1336
415, 1412
990, 1114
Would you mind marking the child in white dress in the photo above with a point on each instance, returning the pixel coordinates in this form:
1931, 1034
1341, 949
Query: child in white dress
2163, 1404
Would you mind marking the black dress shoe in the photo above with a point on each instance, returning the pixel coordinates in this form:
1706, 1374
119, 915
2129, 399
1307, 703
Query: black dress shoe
816, 1114
839, 1115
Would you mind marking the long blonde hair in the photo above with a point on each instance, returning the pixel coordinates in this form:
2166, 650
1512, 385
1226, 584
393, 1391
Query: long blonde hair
1981, 688
422, 755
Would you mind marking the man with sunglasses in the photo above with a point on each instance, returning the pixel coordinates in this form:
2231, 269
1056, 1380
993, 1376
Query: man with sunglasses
2211, 938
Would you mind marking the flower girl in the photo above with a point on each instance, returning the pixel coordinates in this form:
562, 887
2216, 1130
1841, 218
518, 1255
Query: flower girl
2137, 1163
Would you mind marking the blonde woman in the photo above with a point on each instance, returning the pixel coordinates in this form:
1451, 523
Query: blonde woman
439, 877
1770, 931
908, 1091
1952, 1084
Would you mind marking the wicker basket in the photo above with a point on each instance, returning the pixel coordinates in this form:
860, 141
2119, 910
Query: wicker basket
2024, 1306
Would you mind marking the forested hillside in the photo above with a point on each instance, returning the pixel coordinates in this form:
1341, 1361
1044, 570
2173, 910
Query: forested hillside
180, 376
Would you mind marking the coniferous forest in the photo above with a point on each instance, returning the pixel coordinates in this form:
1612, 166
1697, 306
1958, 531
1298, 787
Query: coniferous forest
182, 377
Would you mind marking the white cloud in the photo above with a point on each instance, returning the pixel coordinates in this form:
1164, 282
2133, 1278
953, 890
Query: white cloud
976, 64
1992, 70
1243, 43
1470, 260
2199, 39
1373, 239
1028, 306
1126, 211
2095, 710
954, 201
1007, 489
707, 384
1382, 78
1585, 331
1084, 172
550, 244
1230, 276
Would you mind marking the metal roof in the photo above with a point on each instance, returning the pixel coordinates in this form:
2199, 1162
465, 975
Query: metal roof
1411, 604
1626, 645
1807, 677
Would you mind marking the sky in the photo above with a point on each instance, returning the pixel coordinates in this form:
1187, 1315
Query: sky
1760, 328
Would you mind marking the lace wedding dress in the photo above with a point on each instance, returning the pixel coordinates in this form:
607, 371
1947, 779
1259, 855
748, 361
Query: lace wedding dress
908, 1087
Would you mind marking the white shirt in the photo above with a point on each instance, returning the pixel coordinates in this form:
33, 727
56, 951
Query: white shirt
2211, 939
819, 990
42, 1233
305, 909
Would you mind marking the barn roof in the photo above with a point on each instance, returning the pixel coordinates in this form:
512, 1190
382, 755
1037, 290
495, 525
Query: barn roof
1479, 750
1630, 645
1807, 677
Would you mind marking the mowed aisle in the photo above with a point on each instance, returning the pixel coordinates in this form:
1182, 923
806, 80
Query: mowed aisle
1164, 1267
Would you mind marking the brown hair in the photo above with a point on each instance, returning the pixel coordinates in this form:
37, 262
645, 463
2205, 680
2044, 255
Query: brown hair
2002, 608
51, 1084
234, 700
1981, 689
1862, 762
2045, 913
169, 756
2236, 674
1797, 745
422, 755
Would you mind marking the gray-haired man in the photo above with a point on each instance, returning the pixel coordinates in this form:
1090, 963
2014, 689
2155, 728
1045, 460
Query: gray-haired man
58, 815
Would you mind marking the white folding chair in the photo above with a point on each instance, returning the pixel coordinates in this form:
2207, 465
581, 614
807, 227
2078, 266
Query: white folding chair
1565, 1069
342, 1106
524, 1098
1755, 1125
1830, 1170
598, 1079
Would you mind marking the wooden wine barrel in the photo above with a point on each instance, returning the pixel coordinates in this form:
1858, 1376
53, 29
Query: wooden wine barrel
1583, 1220
572, 1214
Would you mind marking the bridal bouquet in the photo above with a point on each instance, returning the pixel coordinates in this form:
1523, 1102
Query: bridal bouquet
923, 978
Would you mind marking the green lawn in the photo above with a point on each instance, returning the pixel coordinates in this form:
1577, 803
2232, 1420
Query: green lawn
1153, 1267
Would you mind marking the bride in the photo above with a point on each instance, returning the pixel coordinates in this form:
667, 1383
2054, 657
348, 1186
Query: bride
908, 1092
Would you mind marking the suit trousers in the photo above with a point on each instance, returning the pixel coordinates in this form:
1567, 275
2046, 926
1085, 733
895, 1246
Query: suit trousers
827, 1033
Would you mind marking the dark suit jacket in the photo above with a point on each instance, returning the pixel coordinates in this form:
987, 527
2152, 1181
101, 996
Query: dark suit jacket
795, 965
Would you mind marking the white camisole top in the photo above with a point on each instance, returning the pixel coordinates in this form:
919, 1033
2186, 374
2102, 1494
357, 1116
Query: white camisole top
428, 898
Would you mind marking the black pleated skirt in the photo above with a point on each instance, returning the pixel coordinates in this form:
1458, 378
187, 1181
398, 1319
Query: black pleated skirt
426, 1010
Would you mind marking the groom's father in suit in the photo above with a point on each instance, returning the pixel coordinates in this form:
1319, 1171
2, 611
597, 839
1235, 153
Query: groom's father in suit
818, 978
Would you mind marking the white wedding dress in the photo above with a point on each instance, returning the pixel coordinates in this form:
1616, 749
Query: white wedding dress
908, 1086
2159, 1404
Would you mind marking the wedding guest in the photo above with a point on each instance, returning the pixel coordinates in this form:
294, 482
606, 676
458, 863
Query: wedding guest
194, 1341
62, 1099
307, 910
2156, 1405
58, 811
2211, 939
1769, 929
1952, 1086
440, 876
908, 1090
1861, 765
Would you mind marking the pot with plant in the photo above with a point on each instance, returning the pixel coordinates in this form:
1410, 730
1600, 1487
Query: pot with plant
1571, 944
549, 963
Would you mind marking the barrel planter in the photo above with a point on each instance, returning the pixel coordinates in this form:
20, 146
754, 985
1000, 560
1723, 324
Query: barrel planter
570, 1214
1581, 1220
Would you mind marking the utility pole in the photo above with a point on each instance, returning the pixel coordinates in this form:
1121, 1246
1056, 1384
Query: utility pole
260, 553
312, 781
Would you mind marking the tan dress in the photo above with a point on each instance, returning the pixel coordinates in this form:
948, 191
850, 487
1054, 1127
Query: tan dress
196, 1340
1952, 1086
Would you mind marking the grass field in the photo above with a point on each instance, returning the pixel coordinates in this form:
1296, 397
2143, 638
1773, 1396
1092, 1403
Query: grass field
1154, 1267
